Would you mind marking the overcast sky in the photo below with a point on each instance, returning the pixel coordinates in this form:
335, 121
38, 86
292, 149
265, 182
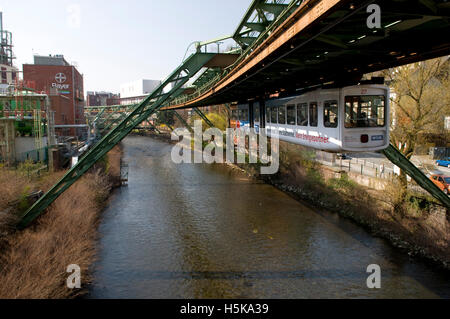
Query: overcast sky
117, 41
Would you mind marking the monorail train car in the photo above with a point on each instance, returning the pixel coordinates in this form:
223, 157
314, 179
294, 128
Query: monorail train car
338, 120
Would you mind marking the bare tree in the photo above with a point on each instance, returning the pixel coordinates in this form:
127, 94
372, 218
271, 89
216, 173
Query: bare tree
420, 101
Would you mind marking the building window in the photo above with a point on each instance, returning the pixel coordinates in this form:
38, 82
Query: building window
4, 76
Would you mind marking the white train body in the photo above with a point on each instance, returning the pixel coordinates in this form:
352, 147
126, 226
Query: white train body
349, 119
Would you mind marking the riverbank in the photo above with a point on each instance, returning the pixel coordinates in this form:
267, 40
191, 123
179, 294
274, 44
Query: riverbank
33, 262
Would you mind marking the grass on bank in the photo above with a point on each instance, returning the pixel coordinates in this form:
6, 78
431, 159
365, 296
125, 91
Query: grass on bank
33, 262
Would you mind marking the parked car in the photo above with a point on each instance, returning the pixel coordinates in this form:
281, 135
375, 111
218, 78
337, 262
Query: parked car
444, 162
343, 156
443, 182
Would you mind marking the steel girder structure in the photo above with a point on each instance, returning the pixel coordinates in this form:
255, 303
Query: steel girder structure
204, 117
182, 120
396, 157
110, 121
259, 16
149, 106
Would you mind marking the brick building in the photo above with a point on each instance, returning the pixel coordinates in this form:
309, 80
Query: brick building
102, 99
64, 84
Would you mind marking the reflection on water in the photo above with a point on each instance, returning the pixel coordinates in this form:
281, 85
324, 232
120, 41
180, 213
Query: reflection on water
205, 231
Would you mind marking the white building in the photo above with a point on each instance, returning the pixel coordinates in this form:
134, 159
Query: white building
138, 88
9, 74
447, 123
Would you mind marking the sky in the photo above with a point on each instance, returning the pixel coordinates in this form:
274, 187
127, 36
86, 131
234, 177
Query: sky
117, 41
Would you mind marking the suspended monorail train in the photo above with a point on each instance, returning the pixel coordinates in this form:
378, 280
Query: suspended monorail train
337, 120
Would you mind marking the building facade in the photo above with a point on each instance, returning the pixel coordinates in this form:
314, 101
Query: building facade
135, 92
64, 84
102, 99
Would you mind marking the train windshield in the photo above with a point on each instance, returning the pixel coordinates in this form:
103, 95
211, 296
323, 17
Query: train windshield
365, 111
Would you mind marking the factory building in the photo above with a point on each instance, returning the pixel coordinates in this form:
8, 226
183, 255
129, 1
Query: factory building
102, 99
135, 92
54, 76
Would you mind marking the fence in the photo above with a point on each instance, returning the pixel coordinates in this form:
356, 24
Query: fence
40, 155
356, 165
438, 153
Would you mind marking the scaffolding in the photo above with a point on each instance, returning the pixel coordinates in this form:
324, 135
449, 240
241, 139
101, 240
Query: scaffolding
6, 53
28, 111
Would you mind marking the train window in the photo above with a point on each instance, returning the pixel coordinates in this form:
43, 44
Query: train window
244, 116
313, 114
365, 111
268, 117
256, 113
234, 115
274, 115
330, 114
302, 114
291, 114
282, 115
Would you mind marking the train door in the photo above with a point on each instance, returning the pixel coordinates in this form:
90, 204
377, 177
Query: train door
328, 123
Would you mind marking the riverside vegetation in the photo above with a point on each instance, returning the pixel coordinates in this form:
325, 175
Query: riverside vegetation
33, 262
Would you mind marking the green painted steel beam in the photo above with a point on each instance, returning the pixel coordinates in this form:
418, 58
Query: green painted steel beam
182, 120
154, 127
144, 110
204, 117
259, 17
396, 157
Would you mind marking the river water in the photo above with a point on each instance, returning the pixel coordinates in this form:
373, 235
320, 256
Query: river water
207, 231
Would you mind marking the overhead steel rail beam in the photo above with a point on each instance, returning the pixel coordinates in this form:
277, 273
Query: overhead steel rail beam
259, 16
98, 108
143, 111
328, 41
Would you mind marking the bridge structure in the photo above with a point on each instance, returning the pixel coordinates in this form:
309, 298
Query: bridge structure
284, 47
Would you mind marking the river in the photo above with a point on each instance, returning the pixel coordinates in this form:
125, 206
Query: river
208, 231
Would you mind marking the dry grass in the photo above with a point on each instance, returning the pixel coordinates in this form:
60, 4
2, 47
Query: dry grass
12, 186
34, 261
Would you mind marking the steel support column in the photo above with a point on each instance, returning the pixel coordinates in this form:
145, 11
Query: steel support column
203, 116
396, 157
182, 120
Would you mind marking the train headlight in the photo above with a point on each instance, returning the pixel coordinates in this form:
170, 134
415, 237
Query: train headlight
365, 139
